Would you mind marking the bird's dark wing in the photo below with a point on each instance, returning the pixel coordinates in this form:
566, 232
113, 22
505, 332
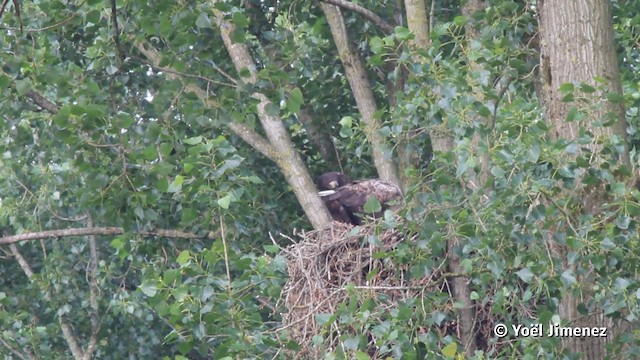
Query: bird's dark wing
353, 196
340, 213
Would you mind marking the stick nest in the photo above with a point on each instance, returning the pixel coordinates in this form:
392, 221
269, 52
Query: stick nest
325, 263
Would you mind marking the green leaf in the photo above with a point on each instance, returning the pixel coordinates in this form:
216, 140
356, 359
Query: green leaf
572, 113
4, 81
372, 205
484, 111
566, 88
586, 88
203, 21
460, 20
402, 33
324, 319
239, 19
295, 101
525, 274
117, 243
224, 202
184, 257
615, 98
189, 215
149, 288
139, 212
176, 184
193, 140
568, 277
171, 276
376, 44
23, 86
163, 185
450, 350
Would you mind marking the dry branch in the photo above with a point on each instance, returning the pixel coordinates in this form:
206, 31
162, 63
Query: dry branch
366, 13
100, 231
92, 272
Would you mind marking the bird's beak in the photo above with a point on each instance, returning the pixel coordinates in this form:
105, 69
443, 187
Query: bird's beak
326, 193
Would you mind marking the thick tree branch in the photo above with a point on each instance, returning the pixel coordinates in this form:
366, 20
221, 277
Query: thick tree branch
101, 231
287, 157
67, 332
366, 13
363, 94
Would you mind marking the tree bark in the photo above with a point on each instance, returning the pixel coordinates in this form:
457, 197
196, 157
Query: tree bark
577, 46
418, 22
359, 82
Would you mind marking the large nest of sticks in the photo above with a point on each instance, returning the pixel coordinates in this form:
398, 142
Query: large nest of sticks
324, 265
324, 262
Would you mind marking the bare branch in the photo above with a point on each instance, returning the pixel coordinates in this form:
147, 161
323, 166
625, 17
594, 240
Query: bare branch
116, 30
226, 252
67, 332
101, 231
42, 102
26, 268
366, 13
92, 269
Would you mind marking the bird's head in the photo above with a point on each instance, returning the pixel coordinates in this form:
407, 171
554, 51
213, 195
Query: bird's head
332, 181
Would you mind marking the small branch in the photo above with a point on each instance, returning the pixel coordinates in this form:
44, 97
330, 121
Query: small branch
154, 57
92, 269
101, 231
42, 102
226, 253
366, 13
116, 30
26, 268
432, 15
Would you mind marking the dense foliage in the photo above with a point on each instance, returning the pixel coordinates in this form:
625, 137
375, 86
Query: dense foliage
94, 133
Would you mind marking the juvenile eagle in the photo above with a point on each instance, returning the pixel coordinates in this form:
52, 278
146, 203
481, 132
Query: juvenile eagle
345, 199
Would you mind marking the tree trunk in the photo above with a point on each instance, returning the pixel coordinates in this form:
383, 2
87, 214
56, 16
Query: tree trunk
418, 22
442, 141
359, 81
577, 46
